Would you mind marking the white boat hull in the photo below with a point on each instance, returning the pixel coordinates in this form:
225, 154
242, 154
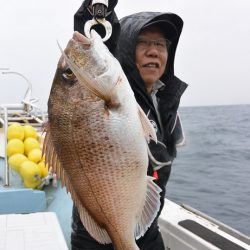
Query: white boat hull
183, 229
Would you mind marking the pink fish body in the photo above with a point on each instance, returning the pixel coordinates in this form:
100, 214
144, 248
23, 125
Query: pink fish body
96, 141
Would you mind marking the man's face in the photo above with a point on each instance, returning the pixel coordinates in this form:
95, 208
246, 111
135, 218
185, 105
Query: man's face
151, 55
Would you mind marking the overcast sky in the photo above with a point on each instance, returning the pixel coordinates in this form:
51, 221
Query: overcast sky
213, 55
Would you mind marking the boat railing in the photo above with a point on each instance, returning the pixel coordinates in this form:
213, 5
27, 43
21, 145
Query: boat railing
26, 112
223, 227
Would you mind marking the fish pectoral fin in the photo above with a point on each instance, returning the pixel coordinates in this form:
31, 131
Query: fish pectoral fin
148, 128
150, 209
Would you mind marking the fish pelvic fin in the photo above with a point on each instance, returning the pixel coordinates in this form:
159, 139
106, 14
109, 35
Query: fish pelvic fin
148, 128
150, 209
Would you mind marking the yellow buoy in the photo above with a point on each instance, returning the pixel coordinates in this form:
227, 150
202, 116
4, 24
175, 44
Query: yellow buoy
15, 146
29, 144
30, 171
30, 131
44, 169
35, 155
16, 160
31, 184
15, 131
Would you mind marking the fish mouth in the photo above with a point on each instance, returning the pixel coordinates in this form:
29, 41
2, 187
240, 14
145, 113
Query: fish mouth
151, 65
79, 38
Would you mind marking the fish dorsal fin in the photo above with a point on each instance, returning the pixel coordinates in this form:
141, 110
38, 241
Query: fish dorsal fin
49, 151
148, 128
98, 233
150, 209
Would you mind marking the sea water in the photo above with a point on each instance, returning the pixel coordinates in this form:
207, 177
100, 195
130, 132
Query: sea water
212, 171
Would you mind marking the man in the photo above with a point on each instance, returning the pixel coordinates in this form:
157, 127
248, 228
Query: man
149, 68
146, 50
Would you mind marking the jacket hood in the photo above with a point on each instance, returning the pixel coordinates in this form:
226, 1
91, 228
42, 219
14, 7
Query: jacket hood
132, 25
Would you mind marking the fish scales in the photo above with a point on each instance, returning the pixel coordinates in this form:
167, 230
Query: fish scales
99, 138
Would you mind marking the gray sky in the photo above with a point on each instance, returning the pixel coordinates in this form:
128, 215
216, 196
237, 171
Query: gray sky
213, 55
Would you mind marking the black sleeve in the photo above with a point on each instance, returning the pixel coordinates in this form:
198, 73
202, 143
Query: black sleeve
83, 15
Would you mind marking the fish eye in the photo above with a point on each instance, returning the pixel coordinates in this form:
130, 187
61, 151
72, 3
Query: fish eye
69, 76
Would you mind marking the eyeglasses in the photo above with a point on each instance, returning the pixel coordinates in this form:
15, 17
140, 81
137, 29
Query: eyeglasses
161, 44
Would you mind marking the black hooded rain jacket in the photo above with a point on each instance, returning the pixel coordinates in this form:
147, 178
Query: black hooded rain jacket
170, 133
